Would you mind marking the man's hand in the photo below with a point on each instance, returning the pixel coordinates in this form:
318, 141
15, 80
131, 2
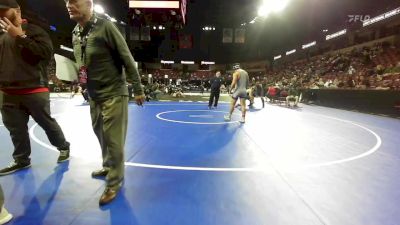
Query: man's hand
7, 26
139, 99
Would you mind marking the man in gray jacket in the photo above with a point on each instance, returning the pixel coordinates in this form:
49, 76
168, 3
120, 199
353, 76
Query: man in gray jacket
102, 55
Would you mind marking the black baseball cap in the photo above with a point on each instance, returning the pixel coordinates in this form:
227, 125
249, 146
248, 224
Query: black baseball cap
7, 4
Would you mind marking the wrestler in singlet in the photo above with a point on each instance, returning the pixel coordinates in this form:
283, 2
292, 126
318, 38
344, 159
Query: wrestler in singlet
241, 86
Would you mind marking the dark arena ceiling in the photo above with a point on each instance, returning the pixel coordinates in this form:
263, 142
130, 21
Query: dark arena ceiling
300, 22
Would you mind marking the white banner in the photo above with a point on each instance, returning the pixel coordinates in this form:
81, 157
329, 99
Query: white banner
240, 35
145, 34
227, 35
134, 34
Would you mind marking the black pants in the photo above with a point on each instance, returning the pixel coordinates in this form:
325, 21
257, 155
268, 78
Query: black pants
213, 95
85, 95
16, 110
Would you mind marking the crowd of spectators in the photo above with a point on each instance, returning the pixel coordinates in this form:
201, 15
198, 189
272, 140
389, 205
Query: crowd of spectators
376, 67
177, 74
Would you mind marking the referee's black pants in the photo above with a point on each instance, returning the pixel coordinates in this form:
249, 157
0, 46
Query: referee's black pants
214, 97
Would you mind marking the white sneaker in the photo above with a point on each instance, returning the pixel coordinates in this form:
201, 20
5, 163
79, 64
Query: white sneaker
242, 120
5, 216
227, 118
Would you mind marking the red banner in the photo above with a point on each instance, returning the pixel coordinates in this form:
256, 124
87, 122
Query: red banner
185, 41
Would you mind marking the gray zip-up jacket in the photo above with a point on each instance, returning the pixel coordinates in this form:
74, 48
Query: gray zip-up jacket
107, 54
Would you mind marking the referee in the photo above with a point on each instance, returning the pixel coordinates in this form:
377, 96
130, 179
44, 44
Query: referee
215, 89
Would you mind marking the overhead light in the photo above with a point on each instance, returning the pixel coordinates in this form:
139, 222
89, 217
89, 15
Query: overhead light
154, 4
209, 28
337, 34
187, 62
290, 52
381, 17
276, 5
270, 6
309, 45
137, 12
277, 57
160, 27
154, 28
66, 48
253, 21
167, 62
113, 19
99, 9
264, 11
207, 63
279, 5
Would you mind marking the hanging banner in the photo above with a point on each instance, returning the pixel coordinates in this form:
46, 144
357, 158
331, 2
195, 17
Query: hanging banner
145, 34
227, 35
185, 41
134, 34
240, 35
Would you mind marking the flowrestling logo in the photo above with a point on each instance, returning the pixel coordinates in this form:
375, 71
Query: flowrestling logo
358, 18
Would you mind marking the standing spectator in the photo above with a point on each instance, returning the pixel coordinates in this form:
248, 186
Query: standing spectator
215, 83
351, 70
259, 92
102, 55
201, 88
25, 52
272, 93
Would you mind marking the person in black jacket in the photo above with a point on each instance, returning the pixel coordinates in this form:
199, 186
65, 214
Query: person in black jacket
215, 83
25, 52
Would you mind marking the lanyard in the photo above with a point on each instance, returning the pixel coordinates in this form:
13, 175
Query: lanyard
84, 38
